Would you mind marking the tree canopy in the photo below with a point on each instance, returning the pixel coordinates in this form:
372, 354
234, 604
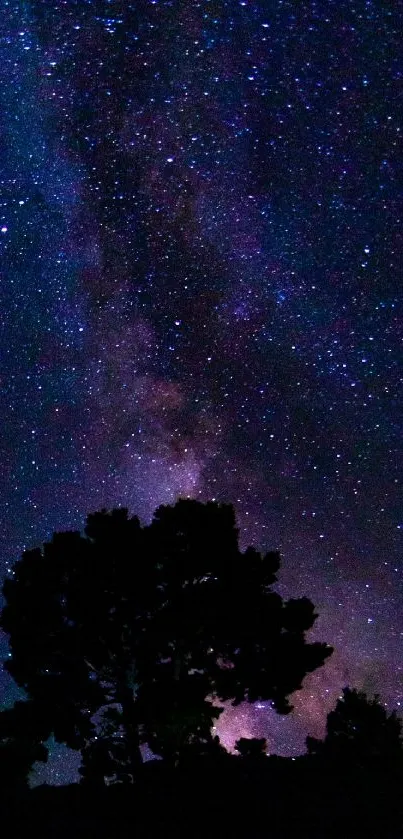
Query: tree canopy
127, 634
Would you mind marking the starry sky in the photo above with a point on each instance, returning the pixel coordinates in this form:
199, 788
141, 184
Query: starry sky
200, 262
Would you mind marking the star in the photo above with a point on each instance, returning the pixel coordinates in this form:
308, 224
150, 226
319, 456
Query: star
200, 292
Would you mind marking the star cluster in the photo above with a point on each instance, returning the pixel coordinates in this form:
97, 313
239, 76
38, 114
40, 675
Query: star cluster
200, 255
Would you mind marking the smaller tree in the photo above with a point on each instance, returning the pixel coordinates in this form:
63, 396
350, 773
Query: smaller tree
359, 730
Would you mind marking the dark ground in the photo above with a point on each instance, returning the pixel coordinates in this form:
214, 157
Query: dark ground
274, 798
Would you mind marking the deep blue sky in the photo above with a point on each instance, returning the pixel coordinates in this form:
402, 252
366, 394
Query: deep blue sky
200, 256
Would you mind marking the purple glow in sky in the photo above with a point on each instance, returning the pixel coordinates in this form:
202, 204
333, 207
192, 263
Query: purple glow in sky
200, 263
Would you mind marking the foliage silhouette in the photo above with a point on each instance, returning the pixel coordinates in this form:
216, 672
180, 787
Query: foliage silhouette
22, 735
360, 762
360, 731
127, 634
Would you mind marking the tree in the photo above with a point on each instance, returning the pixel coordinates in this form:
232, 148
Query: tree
359, 766
130, 634
22, 735
360, 731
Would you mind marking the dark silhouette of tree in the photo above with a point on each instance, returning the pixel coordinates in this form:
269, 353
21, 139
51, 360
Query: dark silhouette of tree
176, 715
359, 767
360, 731
103, 759
22, 736
252, 748
127, 634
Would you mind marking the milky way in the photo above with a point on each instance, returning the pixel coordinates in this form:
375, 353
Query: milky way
201, 283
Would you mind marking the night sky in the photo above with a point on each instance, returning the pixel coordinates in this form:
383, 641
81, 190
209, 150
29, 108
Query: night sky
200, 257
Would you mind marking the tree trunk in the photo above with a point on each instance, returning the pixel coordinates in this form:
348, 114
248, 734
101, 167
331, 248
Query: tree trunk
130, 724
